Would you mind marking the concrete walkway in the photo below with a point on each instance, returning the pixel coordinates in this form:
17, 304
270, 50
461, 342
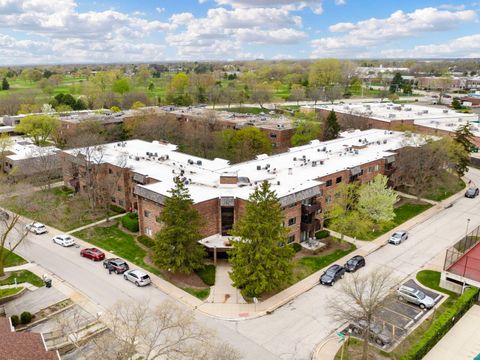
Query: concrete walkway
95, 223
223, 290
462, 342
409, 196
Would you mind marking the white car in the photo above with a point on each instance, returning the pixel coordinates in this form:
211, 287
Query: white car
36, 228
138, 277
64, 240
398, 237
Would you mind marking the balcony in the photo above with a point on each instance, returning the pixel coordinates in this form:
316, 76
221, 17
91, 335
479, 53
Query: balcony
389, 171
310, 209
310, 227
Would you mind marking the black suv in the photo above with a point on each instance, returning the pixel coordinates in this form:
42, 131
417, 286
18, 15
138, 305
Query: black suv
332, 274
354, 263
118, 265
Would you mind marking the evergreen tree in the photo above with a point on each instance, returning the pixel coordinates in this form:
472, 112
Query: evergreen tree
176, 247
5, 84
456, 104
464, 137
261, 260
397, 83
332, 127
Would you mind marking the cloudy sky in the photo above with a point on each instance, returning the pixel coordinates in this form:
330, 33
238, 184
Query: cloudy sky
74, 31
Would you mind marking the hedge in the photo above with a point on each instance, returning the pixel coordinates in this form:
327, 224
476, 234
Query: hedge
441, 325
15, 320
145, 240
130, 222
297, 247
322, 234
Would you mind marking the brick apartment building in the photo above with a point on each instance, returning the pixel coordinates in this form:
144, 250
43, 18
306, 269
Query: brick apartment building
304, 178
437, 121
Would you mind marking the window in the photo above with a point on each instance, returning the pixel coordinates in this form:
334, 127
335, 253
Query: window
370, 169
377, 167
113, 199
361, 173
291, 239
146, 213
273, 135
338, 180
329, 183
110, 171
148, 231
292, 221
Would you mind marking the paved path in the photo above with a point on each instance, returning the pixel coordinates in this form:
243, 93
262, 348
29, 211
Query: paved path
462, 342
34, 301
95, 223
223, 290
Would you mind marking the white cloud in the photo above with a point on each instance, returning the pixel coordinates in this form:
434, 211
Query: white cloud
160, 10
466, 46
374, 32
314, 5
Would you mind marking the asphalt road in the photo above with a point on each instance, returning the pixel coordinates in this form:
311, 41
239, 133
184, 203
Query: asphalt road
292, 331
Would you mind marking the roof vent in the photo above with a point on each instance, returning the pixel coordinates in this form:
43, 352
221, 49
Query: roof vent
290, 171
278, 182
259, 167
199, 162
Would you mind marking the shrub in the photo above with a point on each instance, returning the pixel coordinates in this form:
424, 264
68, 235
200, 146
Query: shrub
25, 317
441, 325
322, 234
116, 209
207, 274
130, 222
145, 240
297, 247
15, 320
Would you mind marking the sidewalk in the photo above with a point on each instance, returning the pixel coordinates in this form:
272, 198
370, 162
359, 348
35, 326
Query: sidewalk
95, 223
223, 291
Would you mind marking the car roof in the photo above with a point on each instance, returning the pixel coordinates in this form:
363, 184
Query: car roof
357, 257
334, 267
400, 232
138, 272
63, 236
93, 249
407, 288
37, 224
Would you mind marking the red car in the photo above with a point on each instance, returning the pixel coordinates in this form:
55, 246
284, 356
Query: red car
92, 253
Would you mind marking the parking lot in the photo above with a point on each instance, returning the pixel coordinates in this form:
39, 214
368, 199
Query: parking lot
397, 317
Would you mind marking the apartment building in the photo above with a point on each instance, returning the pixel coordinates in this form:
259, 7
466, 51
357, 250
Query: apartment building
24, 158
437, 121
304, 178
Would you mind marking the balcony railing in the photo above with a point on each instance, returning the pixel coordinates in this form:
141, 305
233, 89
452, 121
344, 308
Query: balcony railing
312, 226
310, 209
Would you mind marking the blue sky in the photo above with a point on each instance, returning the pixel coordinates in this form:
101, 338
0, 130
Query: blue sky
77, 31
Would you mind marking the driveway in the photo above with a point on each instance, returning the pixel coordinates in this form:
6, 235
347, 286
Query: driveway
34, 301
292, 331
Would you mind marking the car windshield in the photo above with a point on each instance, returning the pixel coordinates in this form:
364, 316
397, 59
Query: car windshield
331, 272
420, 295
397, 235
67, 238
352, 261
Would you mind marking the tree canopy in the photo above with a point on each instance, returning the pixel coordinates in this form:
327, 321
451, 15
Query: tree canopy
38, 127
176, 244
305, 132
325, 72
331, 128
376, 200
261, 260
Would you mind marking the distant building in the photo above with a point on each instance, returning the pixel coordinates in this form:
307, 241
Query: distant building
423, 119
304, 179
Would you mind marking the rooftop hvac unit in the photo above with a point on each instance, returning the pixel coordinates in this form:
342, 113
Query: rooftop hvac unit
385, 141
190, 161
199, 162
167, 157
278, 182
314, 163
356, 152
391, 116
259, 167
321, 162
294, 159
137, 158
324, 148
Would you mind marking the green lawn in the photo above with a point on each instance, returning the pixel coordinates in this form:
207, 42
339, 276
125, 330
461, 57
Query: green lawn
311, 264
207, 274
202, 294
22, 276
112, 239
55, 207
245, 110
440, 193
9, 291
402, 214
431, 279
14, 260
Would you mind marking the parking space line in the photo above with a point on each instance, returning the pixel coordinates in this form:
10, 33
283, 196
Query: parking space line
409, 324
419, 315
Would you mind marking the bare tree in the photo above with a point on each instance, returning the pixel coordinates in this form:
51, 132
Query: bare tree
261, 94
360, 299
11, 236
316, 93
333, 93
164, 332
5, 143
46, 166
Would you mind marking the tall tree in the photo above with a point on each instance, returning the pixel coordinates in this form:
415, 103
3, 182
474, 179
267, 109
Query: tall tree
465, 138
176, 244
261, 260
261, 94
397, 83
12, 235
244, 144
305, 132
38, 127
376, 200
121, 86
360, 300
331, 129
325, 72
5, 84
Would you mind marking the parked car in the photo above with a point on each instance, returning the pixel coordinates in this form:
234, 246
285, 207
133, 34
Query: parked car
36, 228
118, 265
332, 274
4, 215
472, 192
138, 277
64, 240
377, 333
354, 263
398, 237
415, 296
93, 254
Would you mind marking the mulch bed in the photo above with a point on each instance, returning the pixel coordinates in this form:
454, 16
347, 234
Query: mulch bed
332, 244
183, 280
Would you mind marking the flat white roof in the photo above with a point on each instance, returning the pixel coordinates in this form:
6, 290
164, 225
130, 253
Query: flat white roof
433, 117
23, 148
289, 173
